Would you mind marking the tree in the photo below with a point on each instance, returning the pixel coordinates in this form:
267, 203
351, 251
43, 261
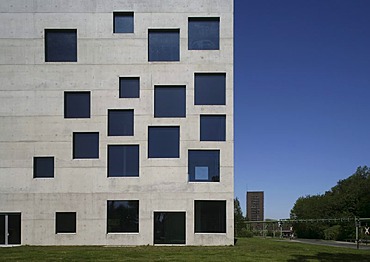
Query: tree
239, 220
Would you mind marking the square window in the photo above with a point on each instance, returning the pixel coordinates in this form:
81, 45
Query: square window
85, 145
210, 88
164, 44
123, 22
123, 160
123, 216
43, 167
76, 104
210, 216
204, 165
60, 45
65, 222
212, 128
169, 101
120, 122
169, 228
204, 33
164, 142
129, 87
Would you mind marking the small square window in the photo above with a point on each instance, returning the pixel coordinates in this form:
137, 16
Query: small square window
204, 165
210, 216
210, 88
123, 216
129, 87
76, 104
164, 45
164, 142
85, 145
169, 101
123, 160
120, 122
212, 128
204, 33
60, 45
43, 167
123, 22
65, 222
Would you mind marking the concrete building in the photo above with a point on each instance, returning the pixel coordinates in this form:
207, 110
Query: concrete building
116, 122
255, 206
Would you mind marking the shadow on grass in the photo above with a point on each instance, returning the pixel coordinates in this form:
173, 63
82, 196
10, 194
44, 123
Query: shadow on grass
329, 257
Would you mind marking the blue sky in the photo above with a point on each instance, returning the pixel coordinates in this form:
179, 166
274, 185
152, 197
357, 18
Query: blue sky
302, 97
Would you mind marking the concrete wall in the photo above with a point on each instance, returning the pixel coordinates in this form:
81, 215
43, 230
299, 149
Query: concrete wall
32, 121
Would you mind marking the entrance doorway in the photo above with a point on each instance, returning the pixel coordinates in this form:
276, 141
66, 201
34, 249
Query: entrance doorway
10, 229
169, 228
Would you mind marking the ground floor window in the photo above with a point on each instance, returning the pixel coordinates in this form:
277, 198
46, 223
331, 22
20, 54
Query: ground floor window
65, 222
123, 216
210, 216
10, 229
169, 228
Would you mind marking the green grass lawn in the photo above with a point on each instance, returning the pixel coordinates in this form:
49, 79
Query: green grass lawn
247, 249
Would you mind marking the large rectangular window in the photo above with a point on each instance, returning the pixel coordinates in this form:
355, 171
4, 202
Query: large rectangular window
120, 122
210, 88
65, 222
204, 165
212, 128
169, 101
204, 33
169, 227
77, 104
210, 216
123, 160
43, 167
85, 145
123, 216
123, 22
164, 142
60, 45
164, 44
129, 87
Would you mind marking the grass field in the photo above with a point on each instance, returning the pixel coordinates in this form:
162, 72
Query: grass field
248, 249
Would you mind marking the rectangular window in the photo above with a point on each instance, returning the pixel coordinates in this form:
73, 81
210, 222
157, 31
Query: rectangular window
169, 227
164, 142
85, 145
204, 165
210, 216
123, 216
65, 222
164, 44
123, 22
210, 88
212, 128
77, 104
43, 167
120, 122
60, 45
129, 87
123, 160
204, 33
169, 101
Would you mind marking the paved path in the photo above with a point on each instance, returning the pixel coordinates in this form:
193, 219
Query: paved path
331, 243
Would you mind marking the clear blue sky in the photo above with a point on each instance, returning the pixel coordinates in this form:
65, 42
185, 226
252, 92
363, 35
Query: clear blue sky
302, 97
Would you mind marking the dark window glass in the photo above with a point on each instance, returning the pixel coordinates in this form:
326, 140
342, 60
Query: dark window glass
65, 222
169, 228
2, 229
210, 89
164, 142
76, 104
60, 45
123, 160
204, 165
212, 128
169, 101
43, 167
123, 22
129, 87
85, 145
14, 229
121, 122
204, 33
210, 216
164, 45
123, 216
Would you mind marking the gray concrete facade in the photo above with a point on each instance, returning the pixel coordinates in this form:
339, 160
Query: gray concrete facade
32, 119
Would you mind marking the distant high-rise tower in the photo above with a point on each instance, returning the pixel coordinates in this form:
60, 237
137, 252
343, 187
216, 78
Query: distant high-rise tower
255, 206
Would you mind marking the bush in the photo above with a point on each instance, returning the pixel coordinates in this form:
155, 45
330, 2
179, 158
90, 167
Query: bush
332, 233
245, 233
